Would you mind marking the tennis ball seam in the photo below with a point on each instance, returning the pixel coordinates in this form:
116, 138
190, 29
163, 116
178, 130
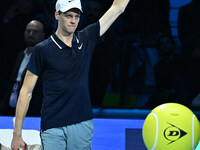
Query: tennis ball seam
193, 132
157, 129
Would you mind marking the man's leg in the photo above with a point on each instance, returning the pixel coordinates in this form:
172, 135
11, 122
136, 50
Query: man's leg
79, 136
53, 139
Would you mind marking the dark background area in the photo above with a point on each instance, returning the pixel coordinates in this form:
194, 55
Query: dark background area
150, 55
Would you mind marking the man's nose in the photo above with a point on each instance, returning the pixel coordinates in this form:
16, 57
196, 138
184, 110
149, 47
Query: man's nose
73, 20
31, 33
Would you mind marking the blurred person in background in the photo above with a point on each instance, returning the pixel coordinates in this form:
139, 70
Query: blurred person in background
33, 34
12, 26
170, 85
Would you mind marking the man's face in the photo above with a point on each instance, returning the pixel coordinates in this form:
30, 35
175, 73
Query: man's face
33, 34
68, 21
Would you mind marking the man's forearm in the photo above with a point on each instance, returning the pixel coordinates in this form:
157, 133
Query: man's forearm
120, 5
21, 110
112, 14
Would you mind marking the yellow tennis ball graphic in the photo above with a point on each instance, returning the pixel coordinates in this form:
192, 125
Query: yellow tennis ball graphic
171, 126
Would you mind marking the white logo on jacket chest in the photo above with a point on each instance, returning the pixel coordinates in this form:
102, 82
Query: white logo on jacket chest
79, 47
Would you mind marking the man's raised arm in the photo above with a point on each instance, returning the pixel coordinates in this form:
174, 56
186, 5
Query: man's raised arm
112, 14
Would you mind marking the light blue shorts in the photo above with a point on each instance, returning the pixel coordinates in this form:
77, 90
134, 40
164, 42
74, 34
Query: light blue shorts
73, 137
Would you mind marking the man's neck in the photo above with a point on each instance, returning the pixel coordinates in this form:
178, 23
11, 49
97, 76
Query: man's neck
67, 39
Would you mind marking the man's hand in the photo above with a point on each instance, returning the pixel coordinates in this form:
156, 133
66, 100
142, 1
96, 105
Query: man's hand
18, 143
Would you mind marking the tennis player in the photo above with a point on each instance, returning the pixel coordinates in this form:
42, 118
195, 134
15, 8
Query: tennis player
63, 61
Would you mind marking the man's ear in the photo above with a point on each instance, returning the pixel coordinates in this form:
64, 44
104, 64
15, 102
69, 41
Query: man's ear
56, 15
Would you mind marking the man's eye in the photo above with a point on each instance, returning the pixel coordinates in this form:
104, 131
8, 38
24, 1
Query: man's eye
68, 16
